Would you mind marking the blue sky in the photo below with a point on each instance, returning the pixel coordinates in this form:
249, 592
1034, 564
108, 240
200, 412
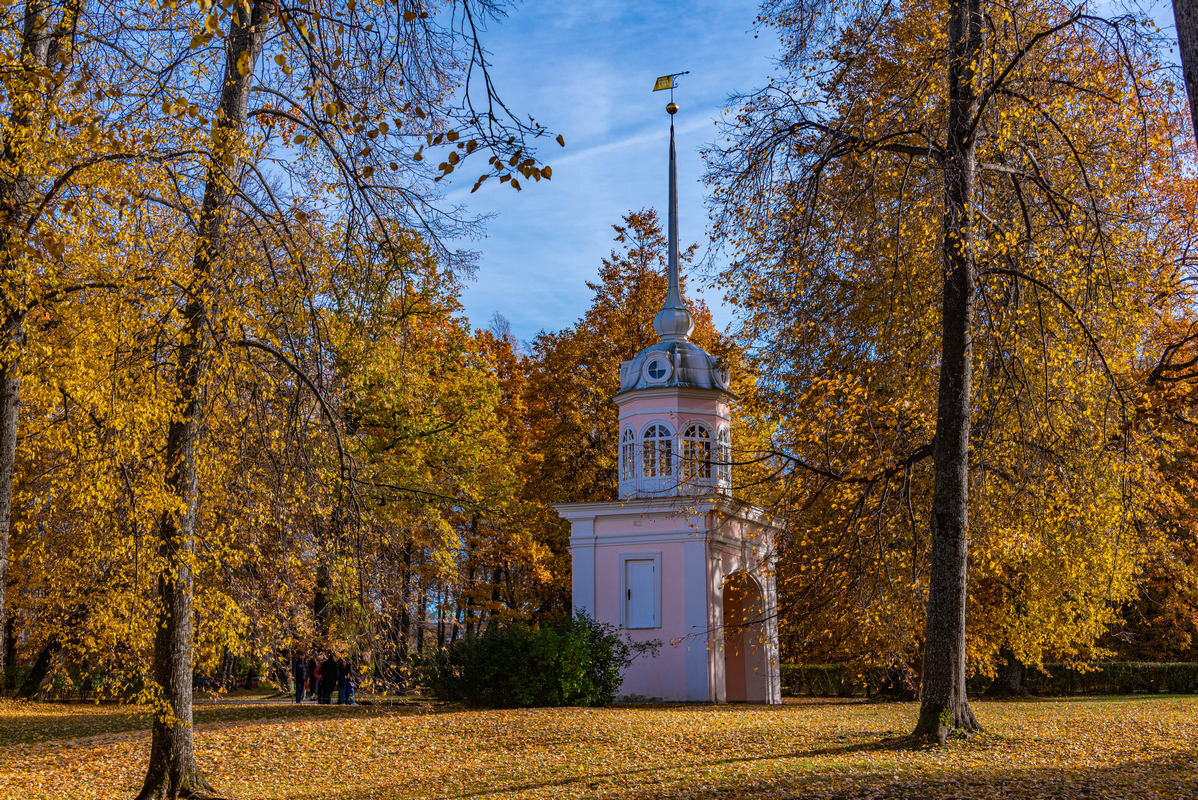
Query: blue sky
586, 70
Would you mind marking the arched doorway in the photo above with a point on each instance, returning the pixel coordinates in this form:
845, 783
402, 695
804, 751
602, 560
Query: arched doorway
746, 678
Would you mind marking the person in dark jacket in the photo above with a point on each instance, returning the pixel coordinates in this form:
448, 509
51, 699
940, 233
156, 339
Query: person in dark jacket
351, 684
345, 691
312, 677
327, 679
299, 671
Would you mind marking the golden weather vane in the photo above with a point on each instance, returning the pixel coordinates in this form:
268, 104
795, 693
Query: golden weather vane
669, 82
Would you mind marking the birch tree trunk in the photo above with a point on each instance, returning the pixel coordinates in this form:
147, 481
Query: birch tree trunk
172, 769
943, 703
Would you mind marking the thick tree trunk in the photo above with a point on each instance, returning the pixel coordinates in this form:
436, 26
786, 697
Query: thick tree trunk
35, 682
172, 769
329, 540
227, 664
1185, 17
943, 703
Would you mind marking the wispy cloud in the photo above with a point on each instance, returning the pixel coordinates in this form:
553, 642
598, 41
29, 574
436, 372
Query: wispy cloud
649, 134
588, 75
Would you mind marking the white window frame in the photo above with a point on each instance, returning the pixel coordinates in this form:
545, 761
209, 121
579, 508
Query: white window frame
655, 557
695, 465
667, 368
628, 454
660, 453
724, 454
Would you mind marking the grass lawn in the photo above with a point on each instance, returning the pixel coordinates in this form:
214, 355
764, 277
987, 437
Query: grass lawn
1087, 748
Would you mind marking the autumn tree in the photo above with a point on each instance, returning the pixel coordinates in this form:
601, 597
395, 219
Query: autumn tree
345, 91
62, 134
1165, 619
980, 217
428, 439
90, 417
1161, 623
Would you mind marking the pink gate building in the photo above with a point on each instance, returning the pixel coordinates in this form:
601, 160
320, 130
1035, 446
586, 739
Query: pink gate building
677, 558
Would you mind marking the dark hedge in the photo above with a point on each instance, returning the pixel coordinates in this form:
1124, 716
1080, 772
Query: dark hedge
1058, 680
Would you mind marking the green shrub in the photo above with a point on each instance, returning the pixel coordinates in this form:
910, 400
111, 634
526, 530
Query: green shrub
572, 662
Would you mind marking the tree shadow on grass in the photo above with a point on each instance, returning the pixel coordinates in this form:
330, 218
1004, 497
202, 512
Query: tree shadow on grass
109, 720
1167, 776
885, 742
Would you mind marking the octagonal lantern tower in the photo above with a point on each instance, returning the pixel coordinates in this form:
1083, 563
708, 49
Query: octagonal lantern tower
677, 558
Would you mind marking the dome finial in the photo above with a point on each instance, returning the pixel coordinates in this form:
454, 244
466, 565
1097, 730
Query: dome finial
673, 322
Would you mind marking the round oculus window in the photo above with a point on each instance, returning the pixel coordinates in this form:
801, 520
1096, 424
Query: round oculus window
657, 369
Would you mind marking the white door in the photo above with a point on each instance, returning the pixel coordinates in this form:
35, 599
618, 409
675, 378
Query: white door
640, 593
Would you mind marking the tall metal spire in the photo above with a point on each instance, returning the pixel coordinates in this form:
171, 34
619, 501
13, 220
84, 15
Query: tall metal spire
673, 322
673, 294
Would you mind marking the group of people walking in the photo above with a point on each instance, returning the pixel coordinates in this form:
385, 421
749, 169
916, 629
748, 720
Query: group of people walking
320, 678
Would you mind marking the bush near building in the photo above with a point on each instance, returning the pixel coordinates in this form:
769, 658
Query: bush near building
574, 661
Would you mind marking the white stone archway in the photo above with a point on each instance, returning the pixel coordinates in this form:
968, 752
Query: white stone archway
745, 642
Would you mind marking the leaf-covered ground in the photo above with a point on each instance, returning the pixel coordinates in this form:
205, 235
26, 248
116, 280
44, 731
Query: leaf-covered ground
1115, 748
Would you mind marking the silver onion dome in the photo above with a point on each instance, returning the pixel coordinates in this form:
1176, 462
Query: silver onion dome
678, 364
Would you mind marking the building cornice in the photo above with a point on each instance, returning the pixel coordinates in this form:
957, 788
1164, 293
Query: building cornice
675, 391
664, 537
689, 413
693, 506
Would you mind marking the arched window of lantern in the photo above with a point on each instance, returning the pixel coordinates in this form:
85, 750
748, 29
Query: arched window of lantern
696, 452
628, 455
657, 447
724, 455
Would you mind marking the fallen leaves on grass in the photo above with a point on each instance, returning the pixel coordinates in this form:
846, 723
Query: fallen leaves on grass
1141, 748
